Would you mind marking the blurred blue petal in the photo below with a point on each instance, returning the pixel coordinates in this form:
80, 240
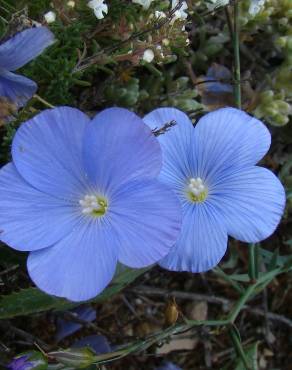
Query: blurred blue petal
79, 266
227, 139
98, 343
17, 89
20, 363
67, 327
218, 72
202, 242
24, 47
151, 208
47, 152
251, 201
30, 219
168, 366
119, 147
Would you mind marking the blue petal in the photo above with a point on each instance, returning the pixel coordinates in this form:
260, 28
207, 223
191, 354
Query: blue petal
168, 366
146, 216
47, 152
119, 147
251, 201
98, 343
67, 327
228, 138
79, 266
202, 242
17, 89
218, 72
24, 47
29, 219
176, 146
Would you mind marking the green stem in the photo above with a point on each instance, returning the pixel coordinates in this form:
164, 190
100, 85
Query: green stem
238, 346
217, 270
43, 101
237, 88
253, 262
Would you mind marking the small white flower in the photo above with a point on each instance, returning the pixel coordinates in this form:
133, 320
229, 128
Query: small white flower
50, 17
144, 3
148, 55
159, 14
255, 6
181, 12
99, 8
215, 4
71, 4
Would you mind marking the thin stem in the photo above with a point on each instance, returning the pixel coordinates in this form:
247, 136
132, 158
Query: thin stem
217, 270
253, 262
43, 101
237, 88
238, 346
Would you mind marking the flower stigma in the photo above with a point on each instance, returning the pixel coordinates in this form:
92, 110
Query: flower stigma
93, 205
196, 190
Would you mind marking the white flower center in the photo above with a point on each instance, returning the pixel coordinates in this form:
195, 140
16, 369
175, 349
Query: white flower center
93, 205
196, 189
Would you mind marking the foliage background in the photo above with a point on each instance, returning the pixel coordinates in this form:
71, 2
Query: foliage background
99, 63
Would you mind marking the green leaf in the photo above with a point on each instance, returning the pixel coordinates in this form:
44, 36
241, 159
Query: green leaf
32, 300
252, 356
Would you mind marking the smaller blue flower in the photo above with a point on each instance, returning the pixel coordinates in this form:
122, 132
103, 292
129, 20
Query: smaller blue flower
83, 194
212, 168
216, 80
20, 363
28, 361
14, 54
168, 366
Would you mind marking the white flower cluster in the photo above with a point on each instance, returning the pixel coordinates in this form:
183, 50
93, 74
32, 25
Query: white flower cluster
179, 14
99, 7
256, 6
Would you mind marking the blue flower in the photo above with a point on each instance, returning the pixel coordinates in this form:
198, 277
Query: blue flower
212, 168
15, 53
20, 363
28, 361
82, 195
168, 366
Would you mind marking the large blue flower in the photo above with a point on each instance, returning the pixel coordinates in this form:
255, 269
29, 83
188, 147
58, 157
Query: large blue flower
212, 168
14, 54
82, 195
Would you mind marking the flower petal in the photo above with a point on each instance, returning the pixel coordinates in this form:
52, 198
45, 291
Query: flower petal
29, 219
251, 201
146, 216
24, 46
17, 89
47, 152
175, 144
119, 147
202, 242
228, 138
79, 266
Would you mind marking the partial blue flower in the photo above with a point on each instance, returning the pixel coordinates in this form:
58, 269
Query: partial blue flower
14, 54
28, 361
20, 363
67, 327
168, 366
82, 195
98, 343
215, 80
212, 168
